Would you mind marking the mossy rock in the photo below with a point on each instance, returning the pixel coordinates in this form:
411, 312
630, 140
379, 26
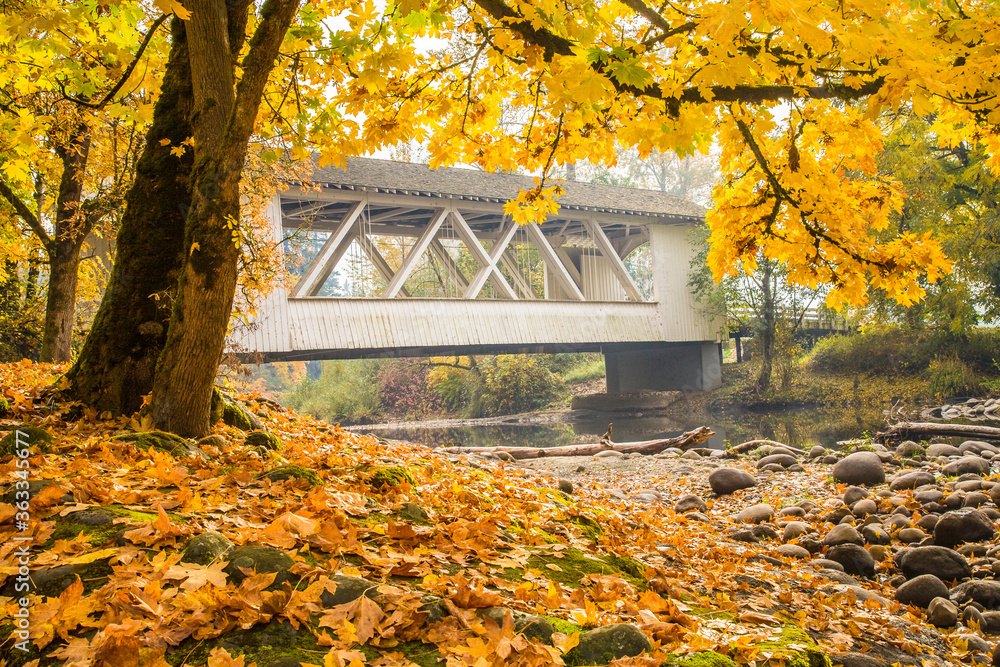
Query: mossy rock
206, 548
796, 648
172, 444
216, 407
348, 589
589, 527
233, 416
37, 439
263, 643
532, 627
575, 564
414, 512
700, 659
389, 476
34, 487
4, 407
601, 646
282, 473
260, 559
263, 440
97, 524
52, 581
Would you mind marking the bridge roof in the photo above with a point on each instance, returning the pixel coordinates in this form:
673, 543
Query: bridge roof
403, 178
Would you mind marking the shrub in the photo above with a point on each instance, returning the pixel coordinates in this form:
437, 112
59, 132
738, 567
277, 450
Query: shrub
452, 380
405, 390
345, 391
509, 384
950, 376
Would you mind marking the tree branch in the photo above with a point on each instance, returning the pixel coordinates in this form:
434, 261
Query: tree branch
24, 213
84, 102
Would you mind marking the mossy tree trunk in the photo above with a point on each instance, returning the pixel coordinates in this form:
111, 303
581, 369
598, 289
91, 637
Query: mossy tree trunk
225, 117
116, 365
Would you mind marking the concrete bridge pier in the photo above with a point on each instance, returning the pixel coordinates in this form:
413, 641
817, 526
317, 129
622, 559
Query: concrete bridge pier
663, 367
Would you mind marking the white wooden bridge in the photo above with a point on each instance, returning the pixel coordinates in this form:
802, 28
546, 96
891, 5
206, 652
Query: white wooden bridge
396, 259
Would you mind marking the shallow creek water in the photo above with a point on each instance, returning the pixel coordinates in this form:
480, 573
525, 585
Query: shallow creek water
799, 427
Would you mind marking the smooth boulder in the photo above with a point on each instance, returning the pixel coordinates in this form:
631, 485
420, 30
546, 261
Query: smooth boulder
921, 590
860, 469
961, 526
728, 480
944, 563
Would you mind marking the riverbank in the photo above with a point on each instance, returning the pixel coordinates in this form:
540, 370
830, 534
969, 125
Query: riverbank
304, 543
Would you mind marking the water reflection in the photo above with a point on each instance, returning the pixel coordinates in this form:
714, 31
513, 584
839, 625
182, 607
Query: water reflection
799, 427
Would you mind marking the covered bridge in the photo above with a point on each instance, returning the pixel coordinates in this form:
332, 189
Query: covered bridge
393, 259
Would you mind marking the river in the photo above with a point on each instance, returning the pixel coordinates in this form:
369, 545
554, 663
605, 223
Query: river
801, 427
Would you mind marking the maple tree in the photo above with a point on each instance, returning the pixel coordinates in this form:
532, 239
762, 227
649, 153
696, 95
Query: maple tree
71, 113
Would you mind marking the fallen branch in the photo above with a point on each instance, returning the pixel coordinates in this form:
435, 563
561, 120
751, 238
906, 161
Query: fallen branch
754, 444
910, 430
686, 441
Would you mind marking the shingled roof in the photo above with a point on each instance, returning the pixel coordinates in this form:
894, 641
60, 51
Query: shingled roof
386, 176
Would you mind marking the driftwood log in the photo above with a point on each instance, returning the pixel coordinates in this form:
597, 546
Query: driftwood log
686, 441
910, 430
745, 447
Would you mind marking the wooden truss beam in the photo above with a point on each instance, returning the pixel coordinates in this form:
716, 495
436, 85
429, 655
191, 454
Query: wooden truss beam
416, 252
552, 260
487, 261
614, 261
519, 282
454, 272
329, 255
381, 265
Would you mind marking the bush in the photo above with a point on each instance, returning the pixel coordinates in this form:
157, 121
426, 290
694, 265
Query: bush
405, 390
346, 391
889, 349
509, 384
949, 377
450, 379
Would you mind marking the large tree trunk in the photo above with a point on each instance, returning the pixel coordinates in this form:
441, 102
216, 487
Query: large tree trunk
60, 303
116, 365
224, 122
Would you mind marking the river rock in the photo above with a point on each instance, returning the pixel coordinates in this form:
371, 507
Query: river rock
853, 494
942, 613
783, 460
728, 480
960, 526
794, 529
863, 508
793, 551
977, 447
990, 624
911, 480
842, 534
600, 646
860, 468
854, 558
921, 590
875, 534
206, 547
975, 465
940, 449
853, 660
909, 449
944, 563
975, 499
349, 589
690, 503
756, 514
984, 591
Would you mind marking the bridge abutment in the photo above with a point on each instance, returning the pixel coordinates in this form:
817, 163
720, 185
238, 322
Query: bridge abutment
672, 367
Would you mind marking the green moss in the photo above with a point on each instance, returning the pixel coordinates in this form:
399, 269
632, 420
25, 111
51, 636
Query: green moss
262, 644
389, 475
215, 411
555, 495
589, 527
701, 659
425, 655
575, 564
4, 407
564, 626
262, 440
281, 473
67, 529
37, 439
233, 416
796, 648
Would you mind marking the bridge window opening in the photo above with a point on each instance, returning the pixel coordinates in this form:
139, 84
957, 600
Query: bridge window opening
639, 264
